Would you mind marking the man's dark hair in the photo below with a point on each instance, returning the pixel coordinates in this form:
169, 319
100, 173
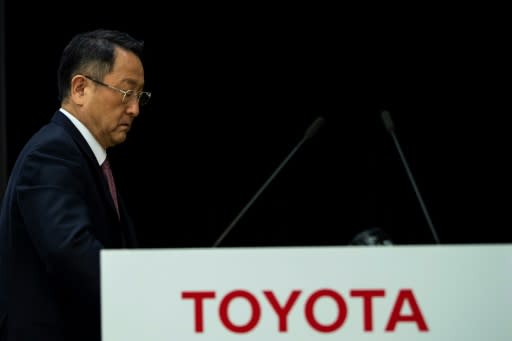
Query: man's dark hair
92, 53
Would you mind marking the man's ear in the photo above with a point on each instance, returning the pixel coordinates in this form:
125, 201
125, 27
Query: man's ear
78, 89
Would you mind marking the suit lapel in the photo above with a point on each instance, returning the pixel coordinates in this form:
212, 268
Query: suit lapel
122, 223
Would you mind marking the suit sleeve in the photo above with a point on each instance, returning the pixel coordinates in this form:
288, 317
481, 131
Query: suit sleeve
52, 200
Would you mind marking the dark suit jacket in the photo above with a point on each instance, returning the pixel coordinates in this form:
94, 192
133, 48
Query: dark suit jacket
56, 215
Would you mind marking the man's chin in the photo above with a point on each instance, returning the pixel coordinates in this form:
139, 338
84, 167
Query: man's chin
119, 138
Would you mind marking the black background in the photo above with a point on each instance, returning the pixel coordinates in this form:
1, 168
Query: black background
234, 90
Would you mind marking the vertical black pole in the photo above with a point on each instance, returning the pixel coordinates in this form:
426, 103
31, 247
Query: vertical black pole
3, 129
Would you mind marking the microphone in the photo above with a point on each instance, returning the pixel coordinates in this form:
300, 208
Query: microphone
390, 127
310, 132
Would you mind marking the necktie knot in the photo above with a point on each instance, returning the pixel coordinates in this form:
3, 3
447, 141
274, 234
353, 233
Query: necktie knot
107, 171
106, 166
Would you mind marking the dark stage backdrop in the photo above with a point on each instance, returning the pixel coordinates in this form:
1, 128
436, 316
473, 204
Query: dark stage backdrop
3, 131
233, 95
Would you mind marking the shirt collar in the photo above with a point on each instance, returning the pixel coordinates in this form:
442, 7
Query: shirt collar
99, 152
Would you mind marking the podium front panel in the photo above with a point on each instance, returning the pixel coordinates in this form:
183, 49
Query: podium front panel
431, 292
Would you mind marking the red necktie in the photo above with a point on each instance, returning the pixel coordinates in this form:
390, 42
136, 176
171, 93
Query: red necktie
111, 184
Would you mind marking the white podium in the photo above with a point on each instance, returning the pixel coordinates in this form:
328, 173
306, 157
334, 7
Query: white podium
434, 292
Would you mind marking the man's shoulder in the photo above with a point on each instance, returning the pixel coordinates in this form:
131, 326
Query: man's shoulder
53, 140
51, 135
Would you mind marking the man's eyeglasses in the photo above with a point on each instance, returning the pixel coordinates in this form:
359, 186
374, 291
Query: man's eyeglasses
128, 95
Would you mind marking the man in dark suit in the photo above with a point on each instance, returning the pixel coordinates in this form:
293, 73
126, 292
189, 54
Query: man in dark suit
61, 207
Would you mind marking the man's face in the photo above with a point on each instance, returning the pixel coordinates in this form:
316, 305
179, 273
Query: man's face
109, 117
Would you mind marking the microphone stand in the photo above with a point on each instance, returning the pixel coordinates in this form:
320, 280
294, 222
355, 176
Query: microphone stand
312, 130
390, 127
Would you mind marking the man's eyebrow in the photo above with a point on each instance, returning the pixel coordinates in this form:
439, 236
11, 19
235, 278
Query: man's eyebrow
132, 82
